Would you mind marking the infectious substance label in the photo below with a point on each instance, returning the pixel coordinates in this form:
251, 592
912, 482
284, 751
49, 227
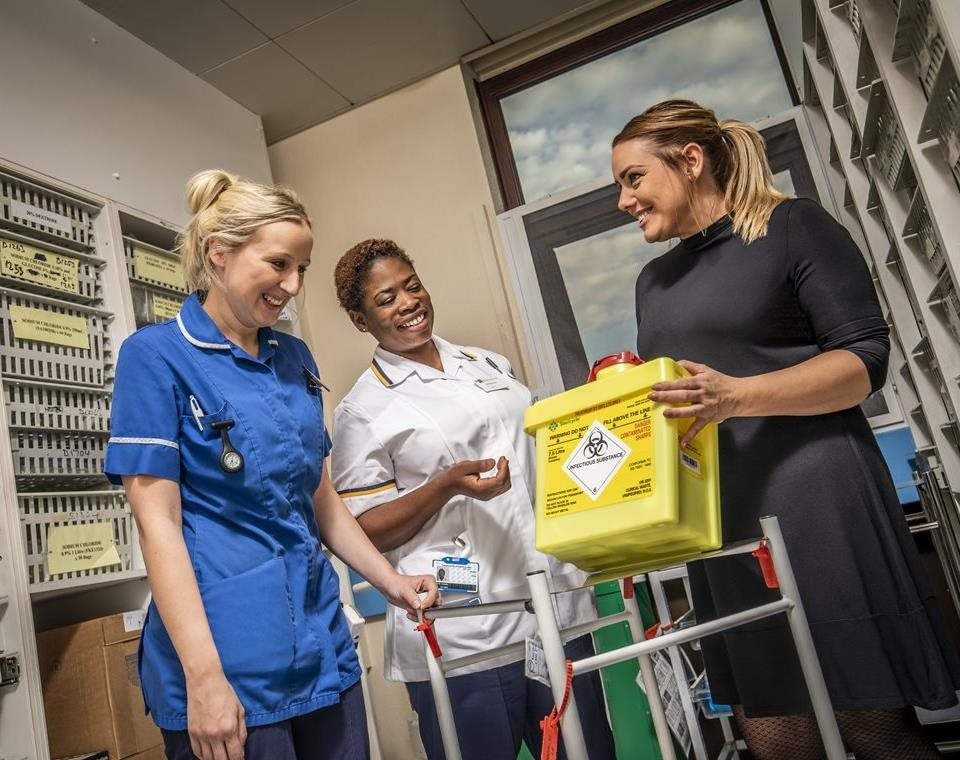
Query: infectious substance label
605, 453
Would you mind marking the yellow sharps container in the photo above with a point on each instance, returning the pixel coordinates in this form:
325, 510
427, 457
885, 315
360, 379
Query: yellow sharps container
614, 488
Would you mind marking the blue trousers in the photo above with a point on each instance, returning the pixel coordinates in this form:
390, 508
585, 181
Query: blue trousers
495, 709
338, 732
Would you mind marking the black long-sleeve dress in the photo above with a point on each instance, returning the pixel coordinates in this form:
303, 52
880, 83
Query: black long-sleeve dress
749, 309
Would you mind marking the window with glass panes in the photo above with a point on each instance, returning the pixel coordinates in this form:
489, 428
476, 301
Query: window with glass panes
551, 121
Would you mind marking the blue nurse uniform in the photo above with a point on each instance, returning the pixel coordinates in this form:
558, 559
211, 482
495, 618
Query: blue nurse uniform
270, 595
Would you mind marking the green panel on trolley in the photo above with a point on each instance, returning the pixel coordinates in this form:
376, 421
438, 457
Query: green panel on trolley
627, 705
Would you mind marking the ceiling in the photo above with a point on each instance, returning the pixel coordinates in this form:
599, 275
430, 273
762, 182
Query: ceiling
299, 62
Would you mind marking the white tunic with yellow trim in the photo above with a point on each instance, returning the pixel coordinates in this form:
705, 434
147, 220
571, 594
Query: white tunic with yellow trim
403, 423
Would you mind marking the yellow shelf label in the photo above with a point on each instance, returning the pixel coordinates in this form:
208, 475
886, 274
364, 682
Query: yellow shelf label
600, 457
165, 308
49, 327
52, 270
158, 268
71, 548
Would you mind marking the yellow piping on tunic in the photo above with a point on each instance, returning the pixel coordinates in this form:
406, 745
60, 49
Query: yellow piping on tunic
368, 490
378, 373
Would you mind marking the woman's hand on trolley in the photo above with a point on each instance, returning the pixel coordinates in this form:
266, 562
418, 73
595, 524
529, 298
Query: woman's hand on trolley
411, 592
706, 395
215, 718
463, 478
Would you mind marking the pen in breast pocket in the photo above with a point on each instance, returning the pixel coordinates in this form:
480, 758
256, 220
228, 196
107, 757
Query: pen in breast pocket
197, 412
313, 381
493, 364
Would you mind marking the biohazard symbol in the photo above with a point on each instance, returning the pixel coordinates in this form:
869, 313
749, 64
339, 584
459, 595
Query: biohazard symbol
596, 445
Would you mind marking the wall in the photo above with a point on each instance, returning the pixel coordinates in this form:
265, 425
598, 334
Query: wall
407, 167
83, 99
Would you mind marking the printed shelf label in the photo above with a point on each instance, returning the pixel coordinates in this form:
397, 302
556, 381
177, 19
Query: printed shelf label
49, 327
35, 215
599, 457
72, 548
155, 267
165, 308
52, 270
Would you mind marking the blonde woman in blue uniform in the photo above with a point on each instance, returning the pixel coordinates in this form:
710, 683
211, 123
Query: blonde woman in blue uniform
217, 434
432, 458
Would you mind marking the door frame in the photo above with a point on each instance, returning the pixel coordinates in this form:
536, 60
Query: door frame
546, 378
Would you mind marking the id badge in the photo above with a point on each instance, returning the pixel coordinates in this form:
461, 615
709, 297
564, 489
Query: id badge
457, 574
492, 384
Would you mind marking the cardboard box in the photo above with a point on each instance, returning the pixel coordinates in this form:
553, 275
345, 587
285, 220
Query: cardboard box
154, 753
91, 690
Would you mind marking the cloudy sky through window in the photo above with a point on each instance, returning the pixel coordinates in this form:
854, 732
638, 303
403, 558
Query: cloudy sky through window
561, 129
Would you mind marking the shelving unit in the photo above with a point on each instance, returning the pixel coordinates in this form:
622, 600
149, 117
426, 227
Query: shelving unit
881, 86
157, 288
77, 275
56, 365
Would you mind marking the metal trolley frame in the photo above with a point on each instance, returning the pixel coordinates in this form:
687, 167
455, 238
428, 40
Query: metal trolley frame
778, 573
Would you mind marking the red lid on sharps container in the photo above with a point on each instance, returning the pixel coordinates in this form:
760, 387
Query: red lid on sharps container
621, 357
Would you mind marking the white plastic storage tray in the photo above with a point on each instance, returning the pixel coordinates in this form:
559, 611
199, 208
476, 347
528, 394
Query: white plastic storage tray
948, 127
44, 458
929, 243
927, 46
853, 16
56, 407
945, 297
45, 214
151, 305
45, 360
39, 512
891, 151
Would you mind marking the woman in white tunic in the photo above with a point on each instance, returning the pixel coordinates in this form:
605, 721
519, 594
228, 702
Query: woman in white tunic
431, 457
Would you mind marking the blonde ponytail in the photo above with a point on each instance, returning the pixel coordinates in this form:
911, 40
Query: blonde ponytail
229, 209
750, 195
734, 151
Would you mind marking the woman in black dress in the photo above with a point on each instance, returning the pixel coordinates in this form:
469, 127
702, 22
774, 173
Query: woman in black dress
769, 304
